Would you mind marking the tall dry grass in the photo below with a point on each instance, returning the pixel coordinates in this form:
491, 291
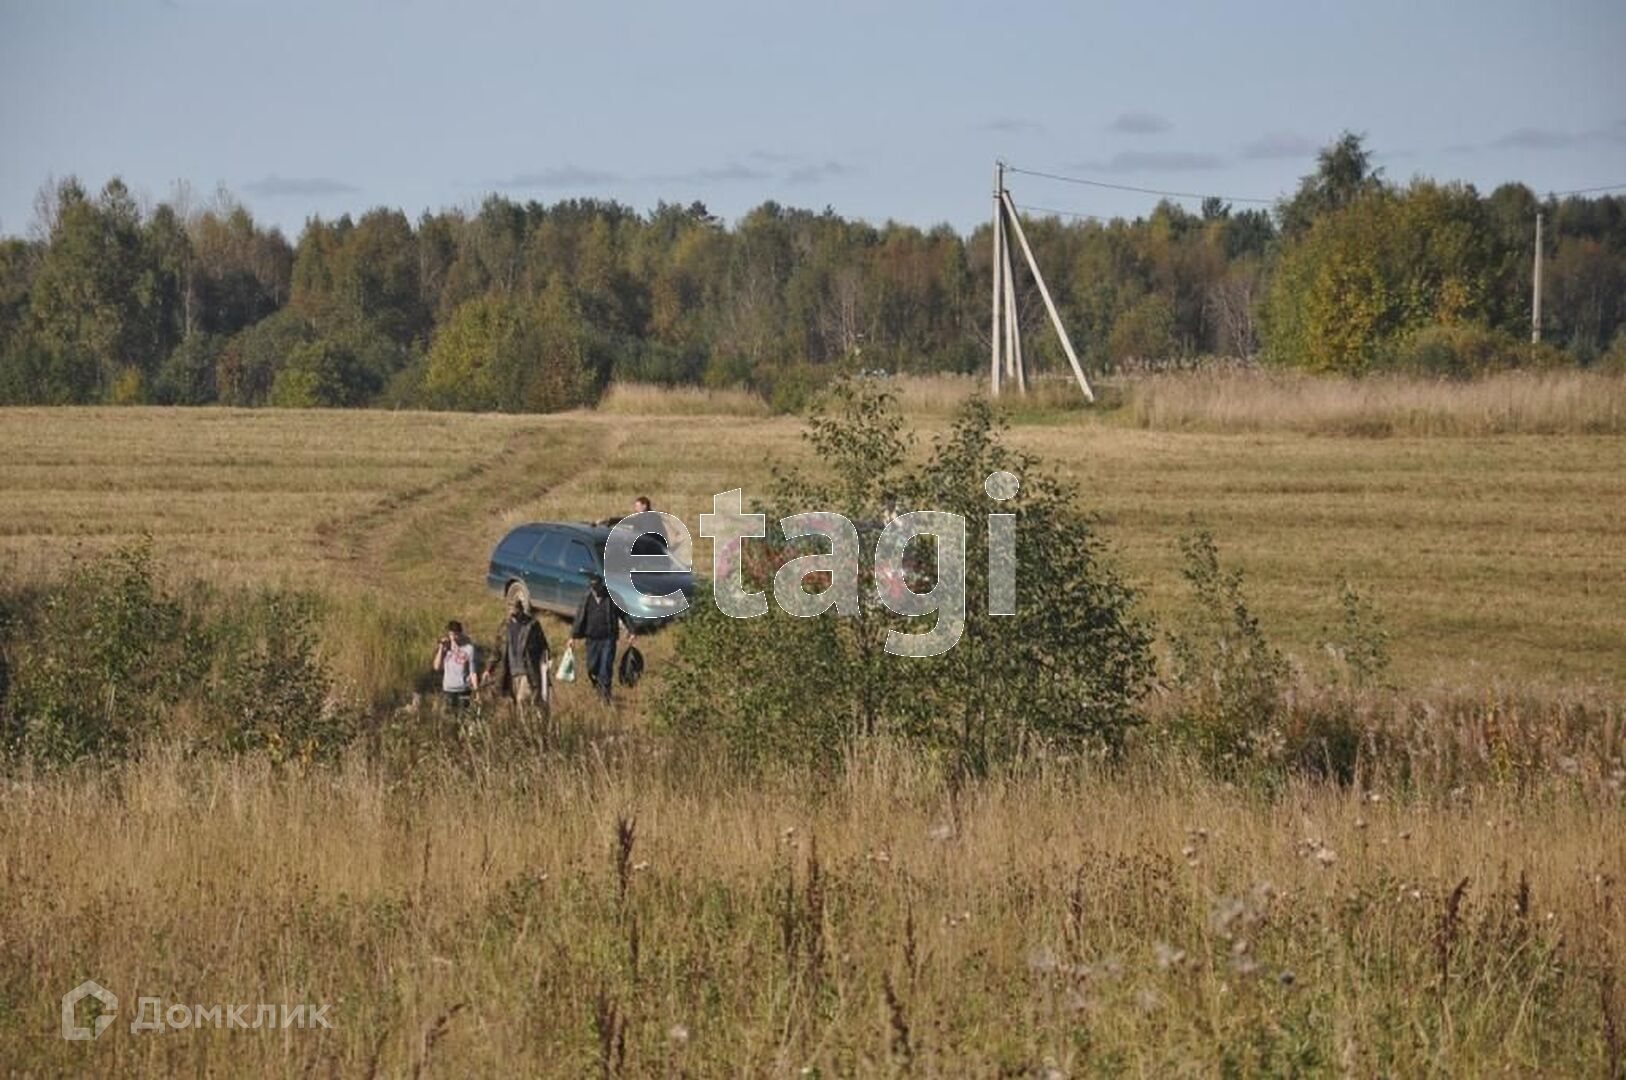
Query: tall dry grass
649, 399
621, 913
1232, 398
930, 396
472, 908
1511, 403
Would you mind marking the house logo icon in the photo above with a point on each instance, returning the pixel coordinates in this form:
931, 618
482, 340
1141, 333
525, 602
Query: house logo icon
70, 1004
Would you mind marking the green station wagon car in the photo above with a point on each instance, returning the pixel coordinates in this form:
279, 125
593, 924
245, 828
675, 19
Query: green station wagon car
548, 565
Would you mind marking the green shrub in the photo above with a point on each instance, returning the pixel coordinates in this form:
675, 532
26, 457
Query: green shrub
272, 692
1232, 677
1240, 709
1455, 351
1462, 351
789, 388
1069, 667
513, 354
93, 665
1614, 361
96, 661
320, 374
1362, 641
724, 370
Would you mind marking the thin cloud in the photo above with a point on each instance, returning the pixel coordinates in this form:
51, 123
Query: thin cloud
559, 176
1615, 134
1144, 161
753, 168
1012, 125
577, 176
816, 173
731, 172
1279, 144
281, 187
1535, 138
1543, 138
1140, 123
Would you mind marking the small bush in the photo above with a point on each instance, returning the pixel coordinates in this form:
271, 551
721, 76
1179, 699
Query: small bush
1613, 362
1463, 351
273, 694
1233, 678
789, 388
95, 661
1362, 640
1069, 668
1240, 707
107, 658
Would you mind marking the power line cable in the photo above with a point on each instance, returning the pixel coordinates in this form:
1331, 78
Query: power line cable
1132, 187
1588, 190
1233, 198
1060, 213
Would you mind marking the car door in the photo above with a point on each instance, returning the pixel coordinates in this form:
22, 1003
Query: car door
542, 574
576, 567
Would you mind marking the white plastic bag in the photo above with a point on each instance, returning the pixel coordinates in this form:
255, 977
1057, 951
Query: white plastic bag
567, 665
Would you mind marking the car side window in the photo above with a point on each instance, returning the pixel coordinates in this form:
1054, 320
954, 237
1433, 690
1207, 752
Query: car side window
552, 550
579, 559
516, 546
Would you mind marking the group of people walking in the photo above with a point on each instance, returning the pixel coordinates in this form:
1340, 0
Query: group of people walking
519, 663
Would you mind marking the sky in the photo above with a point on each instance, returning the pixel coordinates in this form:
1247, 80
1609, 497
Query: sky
891, 110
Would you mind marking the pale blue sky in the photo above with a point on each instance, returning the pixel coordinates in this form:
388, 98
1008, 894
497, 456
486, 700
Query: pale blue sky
893, 110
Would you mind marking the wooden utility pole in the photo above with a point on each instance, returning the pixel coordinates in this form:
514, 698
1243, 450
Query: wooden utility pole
1013, 327
1004, 328
1535, 294
995, 341
1044, 292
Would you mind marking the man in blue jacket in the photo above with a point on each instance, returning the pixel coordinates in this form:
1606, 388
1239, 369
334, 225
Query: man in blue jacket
600, 624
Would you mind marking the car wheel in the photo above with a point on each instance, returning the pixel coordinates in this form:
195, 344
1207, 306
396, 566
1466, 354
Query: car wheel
518, 591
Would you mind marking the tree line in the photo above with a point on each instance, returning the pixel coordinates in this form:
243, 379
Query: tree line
527, 307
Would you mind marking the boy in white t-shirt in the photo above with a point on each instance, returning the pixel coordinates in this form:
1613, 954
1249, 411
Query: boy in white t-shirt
454, 659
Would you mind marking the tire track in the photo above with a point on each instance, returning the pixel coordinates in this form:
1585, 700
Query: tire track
425, 539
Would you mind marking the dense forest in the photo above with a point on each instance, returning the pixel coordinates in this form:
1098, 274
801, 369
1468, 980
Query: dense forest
526, 307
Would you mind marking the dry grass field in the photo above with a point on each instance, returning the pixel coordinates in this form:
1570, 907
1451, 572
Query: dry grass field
465, 907
1496, 558
479, 919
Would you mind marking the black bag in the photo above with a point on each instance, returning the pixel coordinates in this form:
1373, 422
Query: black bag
632, 666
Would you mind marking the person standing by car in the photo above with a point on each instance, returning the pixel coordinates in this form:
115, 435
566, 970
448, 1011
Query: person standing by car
520, 660
600, 624
454, 659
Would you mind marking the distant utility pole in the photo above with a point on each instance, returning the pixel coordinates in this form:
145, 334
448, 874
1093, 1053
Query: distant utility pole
1535, 296
999, 271
1005, 332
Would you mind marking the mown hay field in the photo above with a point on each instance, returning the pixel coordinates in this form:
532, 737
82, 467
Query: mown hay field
616, 904
1493, 557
